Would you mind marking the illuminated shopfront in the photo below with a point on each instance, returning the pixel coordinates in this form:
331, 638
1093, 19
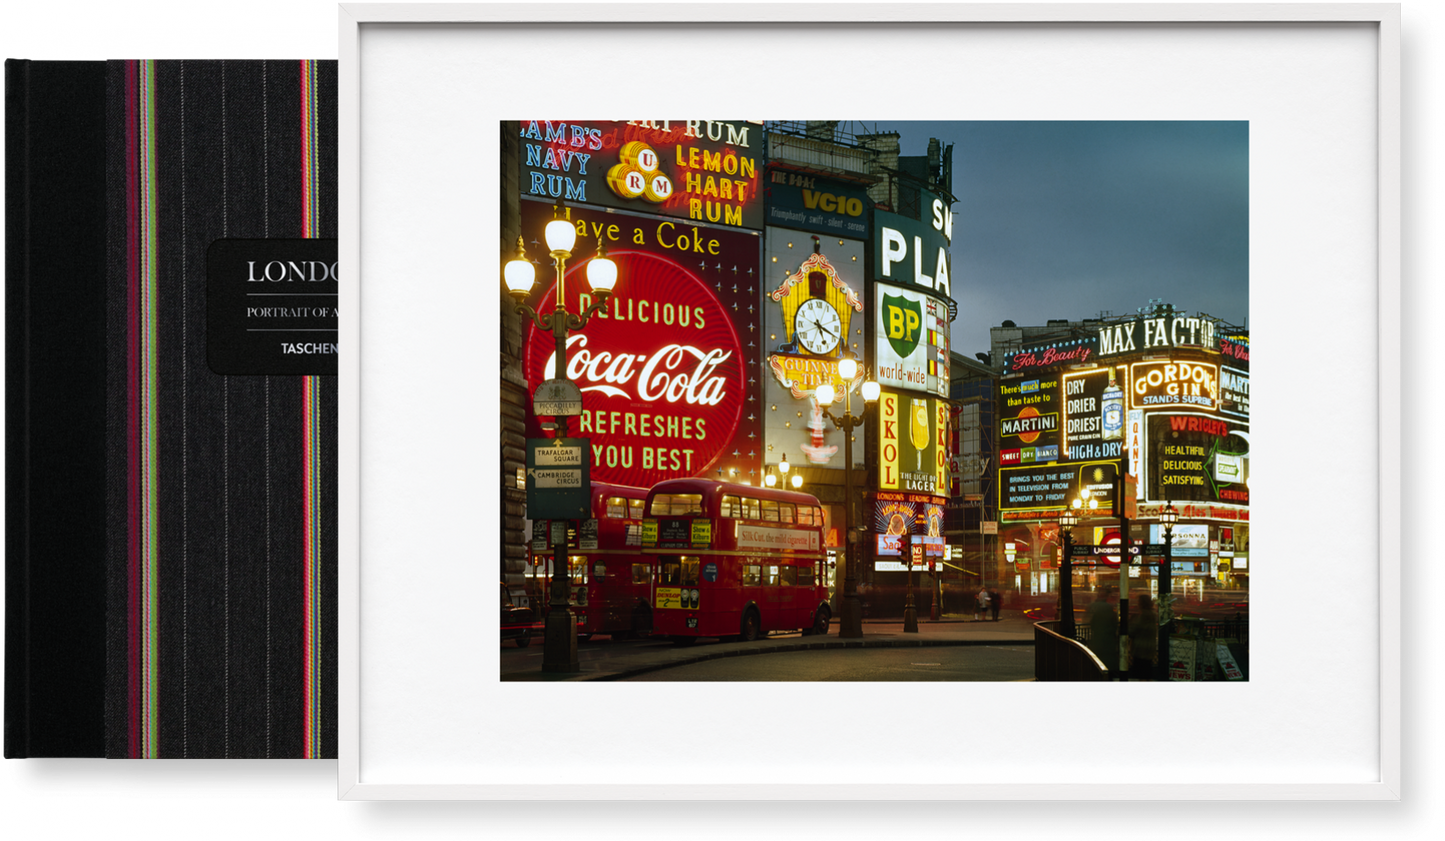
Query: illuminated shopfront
1169, 397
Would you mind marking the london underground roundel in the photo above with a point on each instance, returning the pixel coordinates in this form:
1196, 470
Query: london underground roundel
662, 373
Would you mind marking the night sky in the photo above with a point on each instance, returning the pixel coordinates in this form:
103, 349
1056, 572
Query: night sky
1070, 219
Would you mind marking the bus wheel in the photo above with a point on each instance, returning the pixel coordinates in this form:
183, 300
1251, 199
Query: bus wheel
820, 622
583, 637
683, 642
750, 626
524, 640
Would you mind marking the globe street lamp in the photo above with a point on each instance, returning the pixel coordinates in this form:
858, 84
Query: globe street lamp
783, 467
1167, 518
559, 652
850, 620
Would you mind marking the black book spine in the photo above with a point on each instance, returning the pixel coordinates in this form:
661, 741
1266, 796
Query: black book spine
55, 357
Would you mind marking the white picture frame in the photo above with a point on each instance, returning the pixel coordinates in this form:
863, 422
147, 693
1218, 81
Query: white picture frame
386, 756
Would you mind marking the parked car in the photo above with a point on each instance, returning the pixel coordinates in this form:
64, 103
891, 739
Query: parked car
517, 621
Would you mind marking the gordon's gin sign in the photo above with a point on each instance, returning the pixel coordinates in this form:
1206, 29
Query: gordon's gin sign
665, 371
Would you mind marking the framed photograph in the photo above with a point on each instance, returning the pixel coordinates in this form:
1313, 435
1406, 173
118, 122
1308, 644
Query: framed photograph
1310, 95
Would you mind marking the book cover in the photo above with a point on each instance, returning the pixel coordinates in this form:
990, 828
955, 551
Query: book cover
171, 397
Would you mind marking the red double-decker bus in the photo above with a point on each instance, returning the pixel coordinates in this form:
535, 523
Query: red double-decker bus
735, 561
611, 577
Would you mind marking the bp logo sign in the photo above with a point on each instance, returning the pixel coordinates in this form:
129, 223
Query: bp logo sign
902, 324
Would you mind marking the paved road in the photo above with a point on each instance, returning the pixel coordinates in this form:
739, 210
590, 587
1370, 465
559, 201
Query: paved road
602, 658
943, 663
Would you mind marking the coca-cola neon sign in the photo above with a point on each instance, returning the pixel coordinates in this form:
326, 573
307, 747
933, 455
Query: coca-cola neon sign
663, 376
665, 372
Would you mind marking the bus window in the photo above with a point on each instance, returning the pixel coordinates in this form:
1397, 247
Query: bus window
805, 515
676, 505
751, 575
731, 507
577, 568
770, 511
771, 579
790, 576
689, 571
599, 569
669, 573
785, 512
751, 511
817, 516
636, 509
641, 573
805, 576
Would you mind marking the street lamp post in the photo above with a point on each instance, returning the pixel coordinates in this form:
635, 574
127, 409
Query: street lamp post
783, 467
936, 572
1067, 521
559, 651
1071, 515
1167, 518
910, 611
850, 619
1124, 546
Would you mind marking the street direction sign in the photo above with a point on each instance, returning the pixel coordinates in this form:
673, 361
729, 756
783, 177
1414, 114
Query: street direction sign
557, 399
558, 483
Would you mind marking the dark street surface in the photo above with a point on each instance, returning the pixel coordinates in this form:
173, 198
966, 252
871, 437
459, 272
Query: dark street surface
949, 663
949, 643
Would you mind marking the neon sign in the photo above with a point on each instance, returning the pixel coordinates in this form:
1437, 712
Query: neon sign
664, 371
1144, 334
704, 171
1093, 415
912, 443
1174, 383
913, 340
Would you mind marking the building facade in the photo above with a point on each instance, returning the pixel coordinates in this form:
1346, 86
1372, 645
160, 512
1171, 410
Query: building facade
1128, 414
751, 258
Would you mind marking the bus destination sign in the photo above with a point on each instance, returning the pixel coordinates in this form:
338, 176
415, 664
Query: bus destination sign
676, 534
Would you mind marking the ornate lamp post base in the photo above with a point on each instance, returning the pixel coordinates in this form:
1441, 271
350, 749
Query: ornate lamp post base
559, 653
910, 617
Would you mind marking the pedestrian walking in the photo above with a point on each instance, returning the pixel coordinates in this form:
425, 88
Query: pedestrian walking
1143, 640
1103, 622
980, 605
994, 603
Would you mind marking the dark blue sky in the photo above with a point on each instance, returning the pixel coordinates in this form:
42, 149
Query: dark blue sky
1068, 219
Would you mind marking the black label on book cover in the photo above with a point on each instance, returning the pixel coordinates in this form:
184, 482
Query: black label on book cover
271, 306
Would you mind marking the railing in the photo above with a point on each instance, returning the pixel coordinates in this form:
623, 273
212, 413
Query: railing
1056, 657
1211, 629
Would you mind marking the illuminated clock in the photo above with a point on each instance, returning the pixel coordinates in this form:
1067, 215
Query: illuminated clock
817, 326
